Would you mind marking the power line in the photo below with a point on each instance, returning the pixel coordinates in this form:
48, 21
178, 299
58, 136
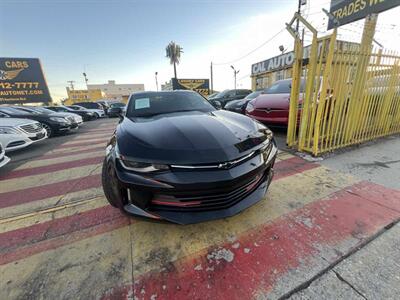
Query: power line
252, 51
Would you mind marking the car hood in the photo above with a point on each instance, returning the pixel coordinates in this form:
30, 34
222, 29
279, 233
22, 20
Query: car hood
190, 138
15, 121
234, 103
273, 101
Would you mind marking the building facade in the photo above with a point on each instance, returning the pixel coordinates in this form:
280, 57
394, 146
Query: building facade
265, 73
117, 92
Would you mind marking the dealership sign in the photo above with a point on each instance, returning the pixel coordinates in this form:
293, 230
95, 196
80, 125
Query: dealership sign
276, 63
347, 11
22, 81
202, 86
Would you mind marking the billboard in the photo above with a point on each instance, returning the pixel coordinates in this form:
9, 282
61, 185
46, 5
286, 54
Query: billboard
347, 11
22, 81
202, 86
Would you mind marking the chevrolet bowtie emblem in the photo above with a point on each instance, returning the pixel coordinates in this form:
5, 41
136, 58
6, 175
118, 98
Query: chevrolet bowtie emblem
226, 165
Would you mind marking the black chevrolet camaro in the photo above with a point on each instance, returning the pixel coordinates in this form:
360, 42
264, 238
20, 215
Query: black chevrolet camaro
175, 157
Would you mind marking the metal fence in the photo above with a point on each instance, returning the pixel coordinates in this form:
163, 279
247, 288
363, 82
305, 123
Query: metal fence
352, 95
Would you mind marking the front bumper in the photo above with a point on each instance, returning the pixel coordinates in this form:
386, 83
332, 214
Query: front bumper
186, 197
4, 160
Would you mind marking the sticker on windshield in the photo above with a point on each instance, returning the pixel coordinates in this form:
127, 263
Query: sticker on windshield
142, 103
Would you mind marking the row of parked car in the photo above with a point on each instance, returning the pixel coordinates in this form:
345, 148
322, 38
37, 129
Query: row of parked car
21, 126
270, 105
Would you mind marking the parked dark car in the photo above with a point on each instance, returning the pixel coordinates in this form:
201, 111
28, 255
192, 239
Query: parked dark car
75, 119
86, 115
98, 113
116, 109
177, 158
228, 95
52, 124
273, 106
239, 106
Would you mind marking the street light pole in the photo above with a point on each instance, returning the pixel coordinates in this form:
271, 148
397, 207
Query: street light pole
211, 77
234, 74
156, 73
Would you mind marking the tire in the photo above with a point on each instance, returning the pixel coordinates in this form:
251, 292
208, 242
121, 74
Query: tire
48, 129
111, 187
96, 116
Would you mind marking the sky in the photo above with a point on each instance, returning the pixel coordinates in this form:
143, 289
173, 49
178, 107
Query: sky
125, 40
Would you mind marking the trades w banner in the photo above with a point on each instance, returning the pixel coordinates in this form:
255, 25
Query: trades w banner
22, 81
202, 86
347, 11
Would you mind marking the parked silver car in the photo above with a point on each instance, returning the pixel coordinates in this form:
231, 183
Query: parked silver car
20, 133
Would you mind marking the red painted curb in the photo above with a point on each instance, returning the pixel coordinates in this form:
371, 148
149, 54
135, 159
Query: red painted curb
267, 252
53, 167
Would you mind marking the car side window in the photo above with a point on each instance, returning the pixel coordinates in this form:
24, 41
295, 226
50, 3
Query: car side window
230, 94
3, 115
242, 92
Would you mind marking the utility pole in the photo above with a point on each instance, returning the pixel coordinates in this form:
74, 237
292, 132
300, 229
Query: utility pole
301, 2
71, 84
211, 77
155, 74
85, 77
234, 74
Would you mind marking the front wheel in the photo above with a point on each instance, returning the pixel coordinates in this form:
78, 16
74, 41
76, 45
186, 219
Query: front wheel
111, 186
48, 129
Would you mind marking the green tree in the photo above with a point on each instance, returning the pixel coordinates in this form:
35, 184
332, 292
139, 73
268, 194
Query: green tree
173, 52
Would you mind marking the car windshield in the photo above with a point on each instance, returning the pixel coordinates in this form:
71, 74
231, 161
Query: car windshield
150, 104
221, 94
14, 111
28, 109
43, 110
283, 87
252, 95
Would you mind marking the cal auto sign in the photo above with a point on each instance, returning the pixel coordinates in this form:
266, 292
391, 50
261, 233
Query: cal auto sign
22, 81
347, 11
202, 86
272, 64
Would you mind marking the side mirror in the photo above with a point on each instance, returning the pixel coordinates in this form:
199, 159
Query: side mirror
217, 104
121, 114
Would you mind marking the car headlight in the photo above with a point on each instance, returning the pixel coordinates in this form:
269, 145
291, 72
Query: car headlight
59, 120
8, 130
142, 167
249, 107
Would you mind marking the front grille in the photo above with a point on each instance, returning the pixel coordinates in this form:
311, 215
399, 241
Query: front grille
203, 201
37, 137
31, 128
15, 144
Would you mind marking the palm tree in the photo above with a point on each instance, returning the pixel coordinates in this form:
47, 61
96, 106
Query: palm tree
173, 52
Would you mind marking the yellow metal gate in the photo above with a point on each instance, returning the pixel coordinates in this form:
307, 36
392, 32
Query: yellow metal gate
352, 94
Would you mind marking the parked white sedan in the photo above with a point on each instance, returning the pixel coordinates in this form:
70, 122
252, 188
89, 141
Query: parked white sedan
3, 158
20, 133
